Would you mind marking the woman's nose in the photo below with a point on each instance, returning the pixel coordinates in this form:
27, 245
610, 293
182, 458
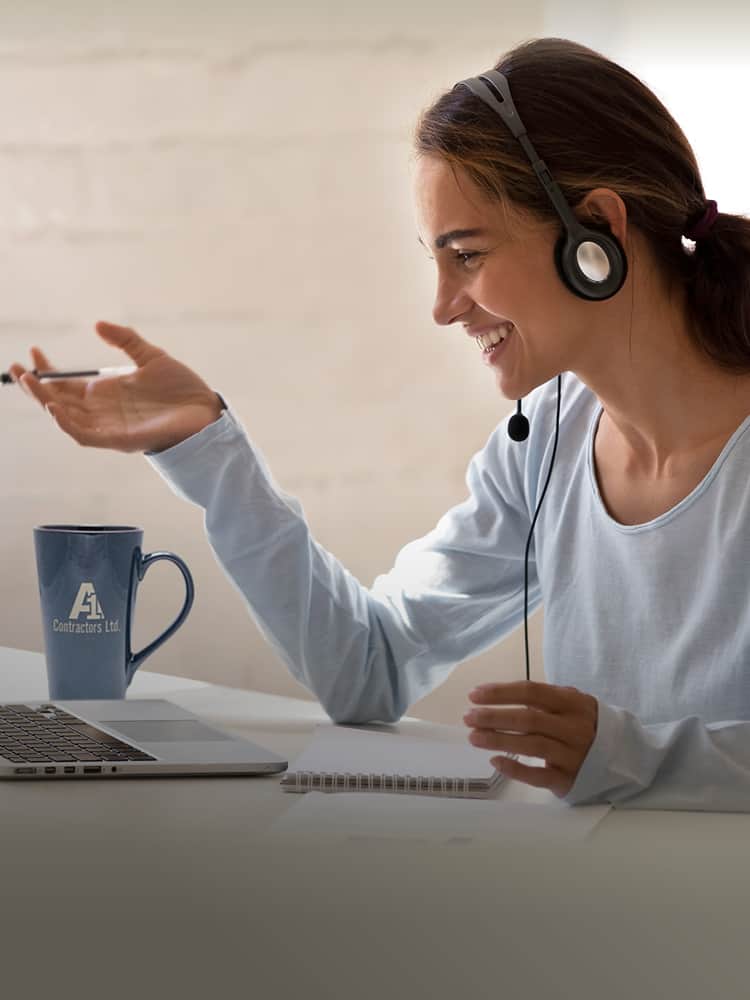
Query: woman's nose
451, 301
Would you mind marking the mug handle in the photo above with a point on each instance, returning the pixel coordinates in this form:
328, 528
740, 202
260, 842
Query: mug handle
141, 564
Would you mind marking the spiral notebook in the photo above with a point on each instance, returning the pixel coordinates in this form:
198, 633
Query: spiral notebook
340, 759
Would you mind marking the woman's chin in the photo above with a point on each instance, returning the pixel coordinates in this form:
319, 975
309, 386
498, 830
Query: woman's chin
509, 387
516, 388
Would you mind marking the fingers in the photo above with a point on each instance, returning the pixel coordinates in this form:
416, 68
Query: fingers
559, 755
530, 721
557, 781
41, 361
140, 350
549, 697
35, 388
552, 723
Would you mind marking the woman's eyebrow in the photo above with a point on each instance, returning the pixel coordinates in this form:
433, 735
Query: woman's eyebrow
454, 234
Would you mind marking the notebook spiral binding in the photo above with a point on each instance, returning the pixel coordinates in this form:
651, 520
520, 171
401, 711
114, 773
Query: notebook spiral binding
332, 781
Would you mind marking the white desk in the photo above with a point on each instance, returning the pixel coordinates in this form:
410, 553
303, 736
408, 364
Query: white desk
164, 887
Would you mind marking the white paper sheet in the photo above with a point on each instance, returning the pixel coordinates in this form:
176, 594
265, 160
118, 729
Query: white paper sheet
377, 815
343, 749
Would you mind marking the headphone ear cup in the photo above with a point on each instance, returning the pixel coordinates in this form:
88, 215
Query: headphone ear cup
605, 249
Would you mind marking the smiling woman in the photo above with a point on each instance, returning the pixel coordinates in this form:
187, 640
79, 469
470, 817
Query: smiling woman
594, 124
581, 255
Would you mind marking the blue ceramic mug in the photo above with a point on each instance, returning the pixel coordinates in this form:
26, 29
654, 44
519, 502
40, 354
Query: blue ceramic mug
88, 580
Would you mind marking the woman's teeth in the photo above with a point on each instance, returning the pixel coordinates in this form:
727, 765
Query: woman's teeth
487, 341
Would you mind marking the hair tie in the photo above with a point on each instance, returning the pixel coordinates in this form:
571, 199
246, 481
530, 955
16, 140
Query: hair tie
703, 224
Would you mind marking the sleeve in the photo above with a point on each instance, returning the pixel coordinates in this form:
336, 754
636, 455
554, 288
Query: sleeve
687, 764
366, 654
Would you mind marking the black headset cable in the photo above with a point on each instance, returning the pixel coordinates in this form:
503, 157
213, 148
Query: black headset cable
531, 532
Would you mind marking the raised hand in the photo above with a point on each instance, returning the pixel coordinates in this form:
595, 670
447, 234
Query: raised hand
160, 404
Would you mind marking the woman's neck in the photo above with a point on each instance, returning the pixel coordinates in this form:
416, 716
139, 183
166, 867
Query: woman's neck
664, 399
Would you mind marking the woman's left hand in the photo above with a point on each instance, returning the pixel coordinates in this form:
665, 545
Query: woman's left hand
555, 724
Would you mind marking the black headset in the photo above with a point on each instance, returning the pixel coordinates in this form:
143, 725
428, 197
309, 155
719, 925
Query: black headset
589, 259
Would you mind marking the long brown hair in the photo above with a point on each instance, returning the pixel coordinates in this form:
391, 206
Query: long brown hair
597, 125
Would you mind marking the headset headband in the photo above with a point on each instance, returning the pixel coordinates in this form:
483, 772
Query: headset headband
492, 88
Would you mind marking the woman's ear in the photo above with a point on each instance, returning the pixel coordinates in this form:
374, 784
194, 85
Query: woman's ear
604, 207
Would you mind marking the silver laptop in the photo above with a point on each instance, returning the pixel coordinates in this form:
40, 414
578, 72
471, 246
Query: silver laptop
120, 739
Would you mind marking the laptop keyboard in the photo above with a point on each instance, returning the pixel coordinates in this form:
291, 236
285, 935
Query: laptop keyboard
47, 734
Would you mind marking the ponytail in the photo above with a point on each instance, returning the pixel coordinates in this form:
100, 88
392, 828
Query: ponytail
717, 292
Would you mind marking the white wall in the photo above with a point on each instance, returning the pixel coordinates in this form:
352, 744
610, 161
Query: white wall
233, 181
695, 58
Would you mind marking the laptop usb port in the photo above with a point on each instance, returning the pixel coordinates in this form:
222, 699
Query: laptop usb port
50, 770
24, 770
92, 770
69, 770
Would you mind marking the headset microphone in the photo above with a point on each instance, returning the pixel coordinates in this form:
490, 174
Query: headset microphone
518, 425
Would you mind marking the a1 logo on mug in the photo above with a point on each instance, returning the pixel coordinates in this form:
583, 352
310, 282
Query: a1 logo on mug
88, 580
86, 604
86, 600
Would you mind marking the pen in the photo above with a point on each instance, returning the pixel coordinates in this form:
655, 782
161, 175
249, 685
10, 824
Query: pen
7, 379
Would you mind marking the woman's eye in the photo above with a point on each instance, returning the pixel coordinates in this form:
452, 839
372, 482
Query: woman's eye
464, 256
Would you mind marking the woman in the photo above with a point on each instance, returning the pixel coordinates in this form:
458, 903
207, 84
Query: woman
640, 551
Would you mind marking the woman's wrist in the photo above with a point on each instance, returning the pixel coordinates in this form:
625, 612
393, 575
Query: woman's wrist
216, 406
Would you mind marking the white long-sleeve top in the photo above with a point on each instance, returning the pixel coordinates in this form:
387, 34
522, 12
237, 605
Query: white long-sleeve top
652, 619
